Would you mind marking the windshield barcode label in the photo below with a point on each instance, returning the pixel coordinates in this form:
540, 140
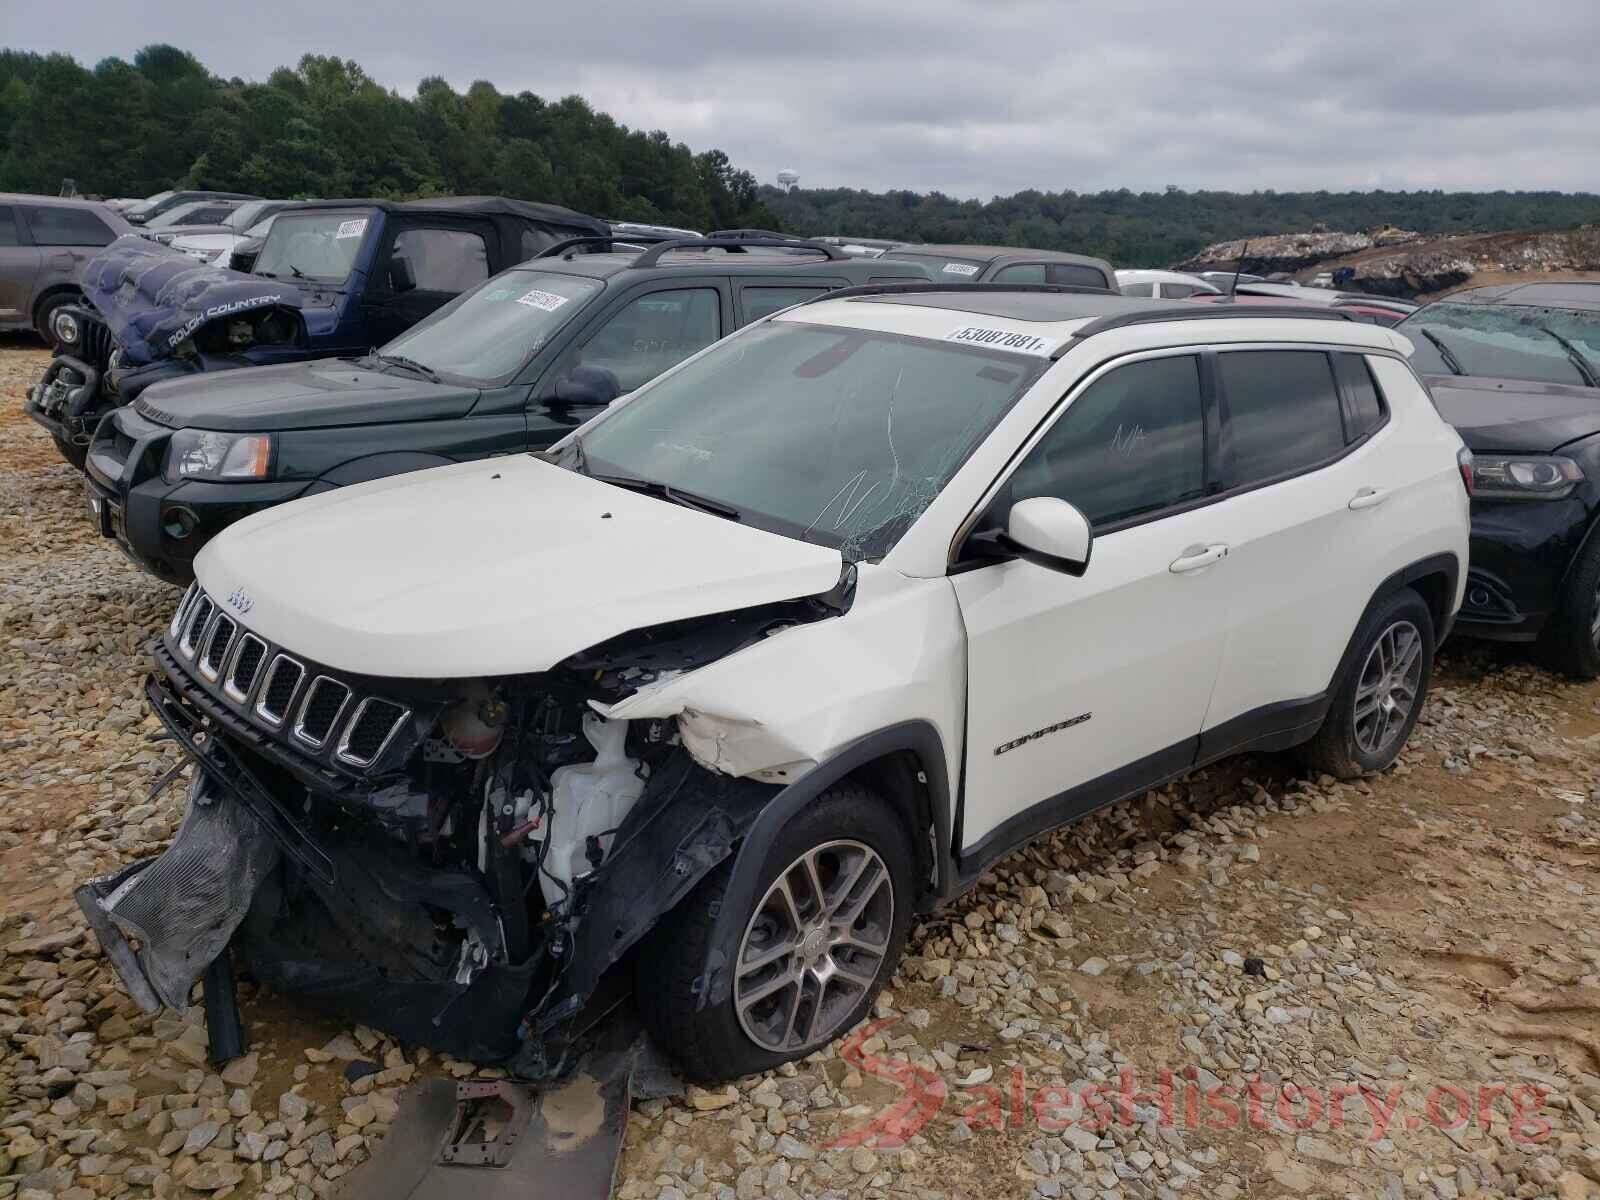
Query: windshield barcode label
548, 301
352, 228
1002, 339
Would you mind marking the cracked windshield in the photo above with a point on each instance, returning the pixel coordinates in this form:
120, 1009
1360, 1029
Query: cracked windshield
836, 436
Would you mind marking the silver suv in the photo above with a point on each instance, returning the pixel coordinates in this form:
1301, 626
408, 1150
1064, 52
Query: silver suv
44, 242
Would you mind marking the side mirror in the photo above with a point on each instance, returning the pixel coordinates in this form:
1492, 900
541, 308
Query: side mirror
592, 386
1048, 532
401, 277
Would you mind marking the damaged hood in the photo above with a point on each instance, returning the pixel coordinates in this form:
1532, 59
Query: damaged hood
153, 297
497, 567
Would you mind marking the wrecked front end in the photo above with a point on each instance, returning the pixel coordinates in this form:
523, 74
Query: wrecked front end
152, 313
459, 863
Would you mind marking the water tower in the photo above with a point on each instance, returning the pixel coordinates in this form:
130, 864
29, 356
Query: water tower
787, 178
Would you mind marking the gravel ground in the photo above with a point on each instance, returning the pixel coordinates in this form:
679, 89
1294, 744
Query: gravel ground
1389, 988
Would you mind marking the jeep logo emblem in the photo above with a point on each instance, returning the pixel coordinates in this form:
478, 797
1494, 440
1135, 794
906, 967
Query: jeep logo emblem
240, 599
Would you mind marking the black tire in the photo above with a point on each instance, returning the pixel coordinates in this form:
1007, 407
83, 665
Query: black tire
1568, 642
711, 1043
46, 311
1348, 745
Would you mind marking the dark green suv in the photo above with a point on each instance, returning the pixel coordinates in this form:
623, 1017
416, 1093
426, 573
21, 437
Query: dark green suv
513, 365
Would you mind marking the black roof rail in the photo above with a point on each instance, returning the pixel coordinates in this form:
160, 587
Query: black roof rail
917, 287
1211, 312
739, 235
653, 255
573, 243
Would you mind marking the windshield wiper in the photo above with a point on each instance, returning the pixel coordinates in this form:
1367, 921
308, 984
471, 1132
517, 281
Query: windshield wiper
409, 364
676, 495
1450, 359
1581, 364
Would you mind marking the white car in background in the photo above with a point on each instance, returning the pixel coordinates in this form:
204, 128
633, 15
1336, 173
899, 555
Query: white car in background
250, 220
781, 650
1164, 285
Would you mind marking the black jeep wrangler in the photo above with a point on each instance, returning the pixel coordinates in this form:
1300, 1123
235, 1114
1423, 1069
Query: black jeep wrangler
512, 365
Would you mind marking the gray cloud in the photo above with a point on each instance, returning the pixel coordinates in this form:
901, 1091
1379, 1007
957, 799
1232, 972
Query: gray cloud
981, 98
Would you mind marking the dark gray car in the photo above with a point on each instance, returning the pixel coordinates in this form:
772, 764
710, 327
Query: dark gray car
44, 242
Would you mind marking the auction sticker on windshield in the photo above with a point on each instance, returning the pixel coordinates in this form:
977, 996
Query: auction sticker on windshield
548, 301
1003, 339
354, 227
960, 269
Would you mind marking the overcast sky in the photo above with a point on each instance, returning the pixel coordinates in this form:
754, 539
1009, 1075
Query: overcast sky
976, 99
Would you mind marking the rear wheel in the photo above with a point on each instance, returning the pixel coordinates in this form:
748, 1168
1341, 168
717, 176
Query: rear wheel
808, 953
1377, 703
1570, 642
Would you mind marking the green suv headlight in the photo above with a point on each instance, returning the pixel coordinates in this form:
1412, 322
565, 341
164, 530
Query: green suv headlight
202, 454
1523, 477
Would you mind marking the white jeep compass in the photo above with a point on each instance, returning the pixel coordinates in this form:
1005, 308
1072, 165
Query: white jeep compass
778, 653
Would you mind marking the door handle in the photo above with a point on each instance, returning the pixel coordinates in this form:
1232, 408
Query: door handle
1196, 557
1368, 498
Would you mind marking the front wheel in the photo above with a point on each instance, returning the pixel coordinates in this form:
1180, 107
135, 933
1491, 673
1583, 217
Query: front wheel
1570, 642
44, 316
807, 954
1377, 703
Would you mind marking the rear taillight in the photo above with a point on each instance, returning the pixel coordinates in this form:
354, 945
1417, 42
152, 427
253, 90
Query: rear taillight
1464, 462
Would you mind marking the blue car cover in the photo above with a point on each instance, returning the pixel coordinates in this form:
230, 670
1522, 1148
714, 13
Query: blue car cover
153, 297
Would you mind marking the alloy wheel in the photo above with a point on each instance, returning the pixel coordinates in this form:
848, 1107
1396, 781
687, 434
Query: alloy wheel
1388, 687
814, 946
1594, 618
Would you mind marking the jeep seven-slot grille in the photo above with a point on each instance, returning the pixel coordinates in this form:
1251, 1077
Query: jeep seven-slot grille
281, 684
323, 703
217, 647
197, 623
318, 714
369, 730
252, 650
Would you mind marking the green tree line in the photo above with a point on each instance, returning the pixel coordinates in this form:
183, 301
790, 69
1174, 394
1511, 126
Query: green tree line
1149, 229
325, 128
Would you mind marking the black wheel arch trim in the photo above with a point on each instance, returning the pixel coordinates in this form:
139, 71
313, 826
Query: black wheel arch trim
923, 743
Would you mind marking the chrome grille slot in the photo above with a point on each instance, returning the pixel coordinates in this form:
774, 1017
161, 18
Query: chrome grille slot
370, 730
319, 712
196, 625
247, 660
222, 631
183, 608
283, 680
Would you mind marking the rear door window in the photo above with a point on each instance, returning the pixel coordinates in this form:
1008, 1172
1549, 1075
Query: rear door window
444, 260
1138, 289
758, 302
1073, 275
62, 226
1284, 412
1021, 273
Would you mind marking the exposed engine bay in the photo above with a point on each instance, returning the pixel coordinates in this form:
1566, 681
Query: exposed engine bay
459, 863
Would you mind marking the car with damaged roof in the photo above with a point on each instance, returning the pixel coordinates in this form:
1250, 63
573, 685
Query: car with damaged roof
332, 277
781, 651
514, 365
1007, 264
1516, 369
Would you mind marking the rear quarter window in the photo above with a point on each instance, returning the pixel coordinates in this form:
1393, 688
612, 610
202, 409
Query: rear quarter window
1363, 403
